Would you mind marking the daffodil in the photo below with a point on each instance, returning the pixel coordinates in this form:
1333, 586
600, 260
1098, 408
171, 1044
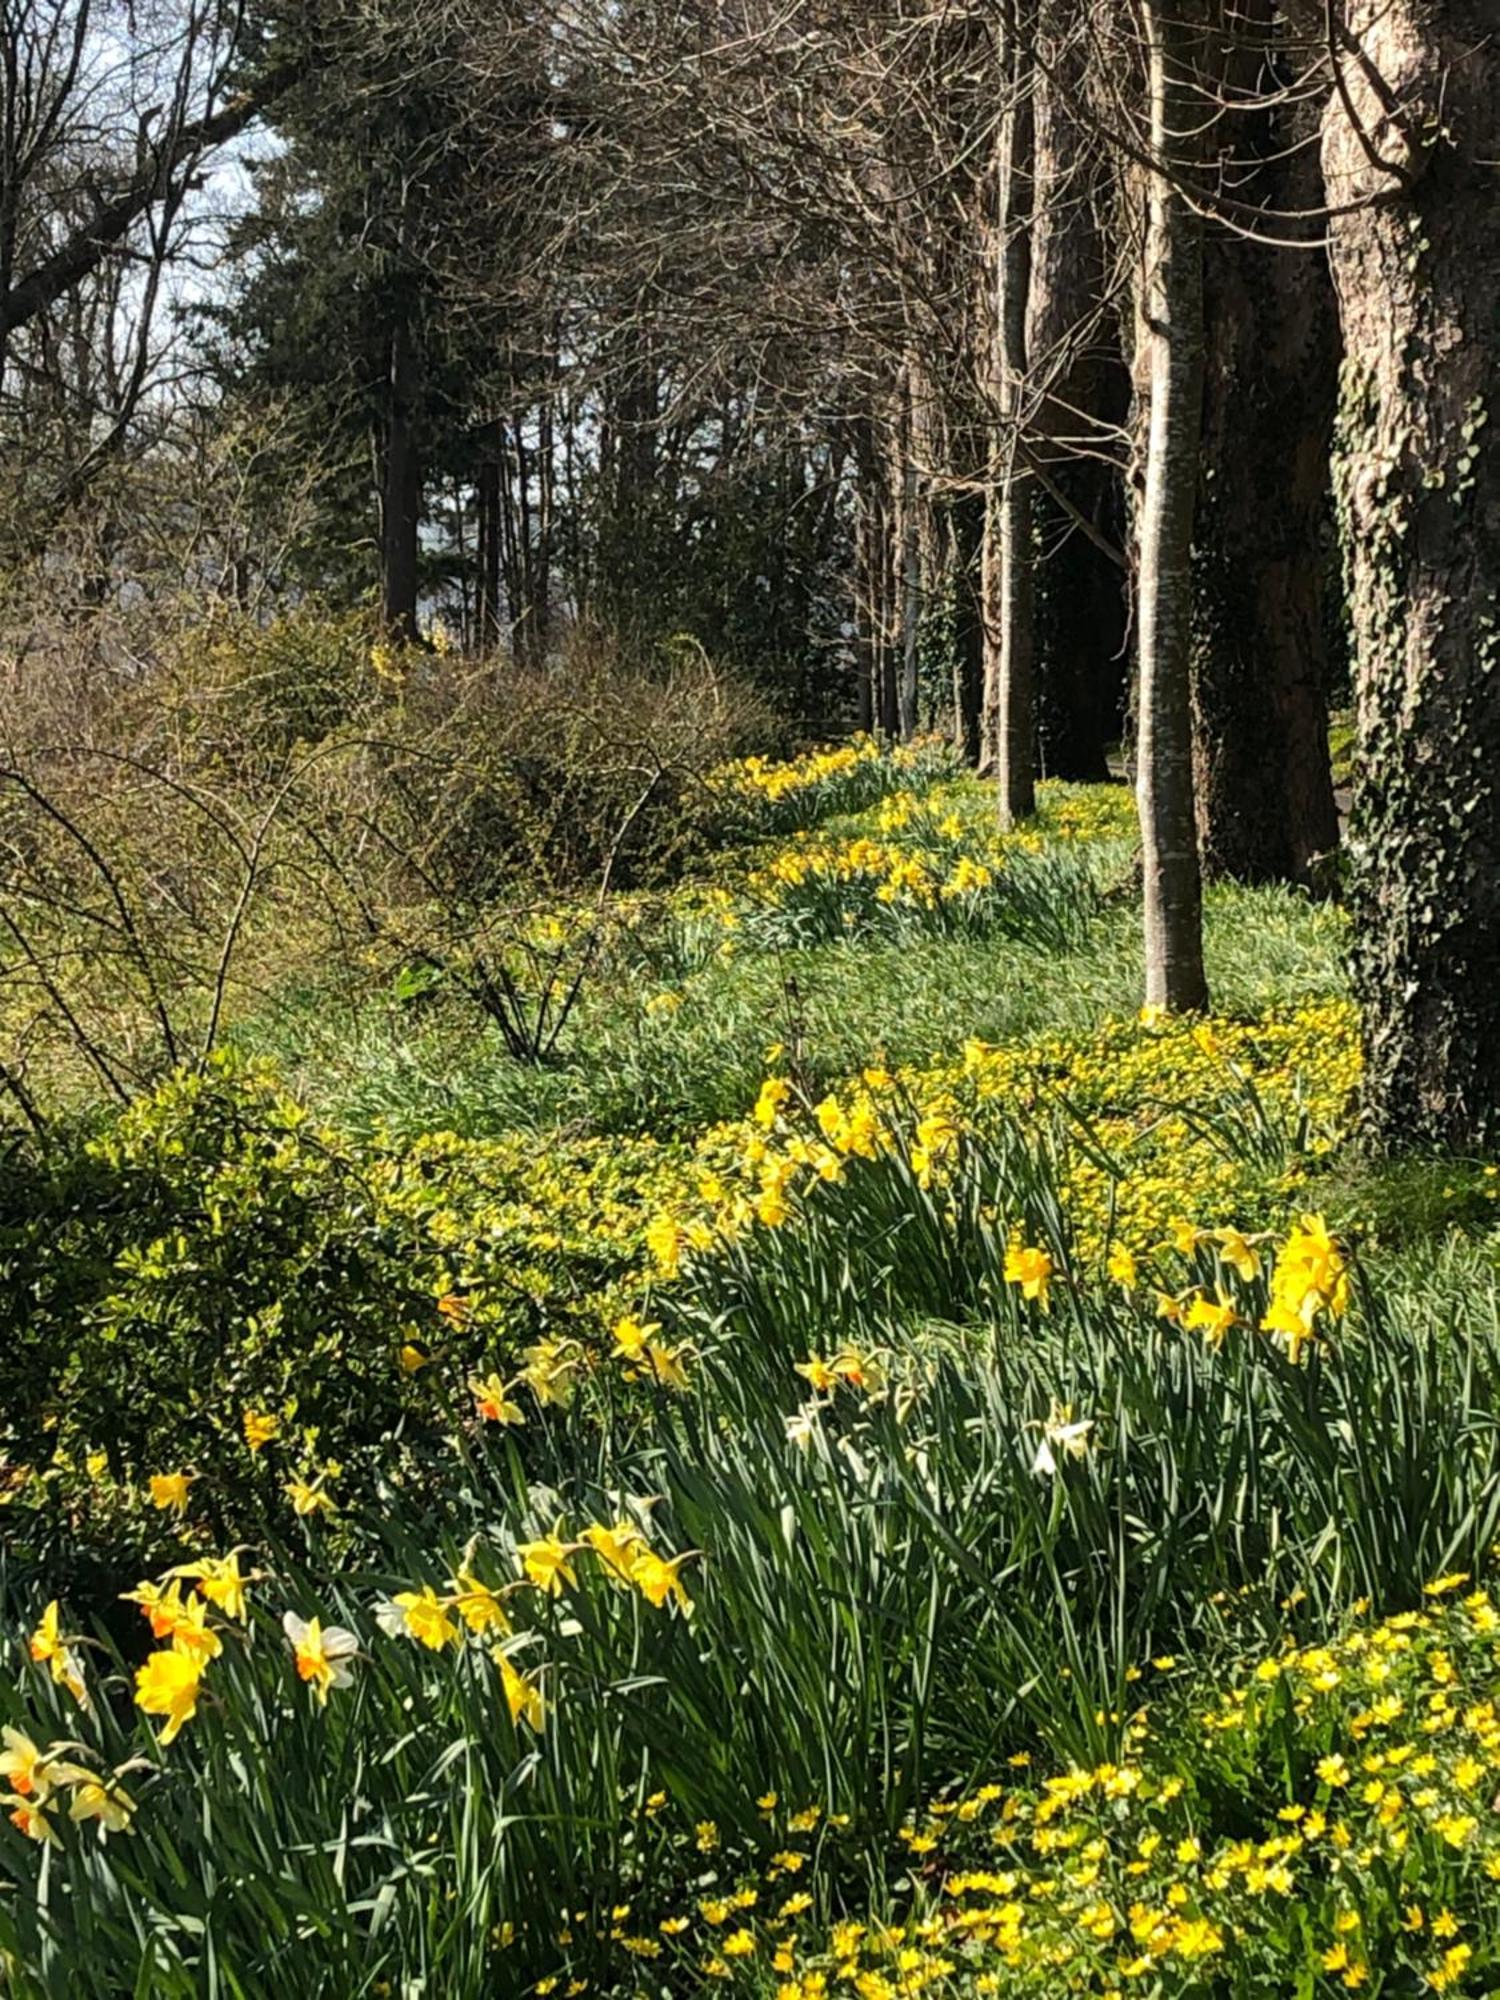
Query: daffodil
492, 1400
23, 1765
169, 1491
168, 1685
220, 1581
615, 1547
523, 1697
657, 1579
260, 1428
322, 1653
29, 1816
478, 1606
546, 1563
1122, 1266
1069, 1435
48, 1647
1032, 1270
309, 1497
426, 1617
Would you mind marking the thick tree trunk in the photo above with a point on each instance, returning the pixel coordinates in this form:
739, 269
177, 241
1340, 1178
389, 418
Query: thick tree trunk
1082, 390
1263, 782
1411, 136
1014, 606
1172, 283
401, 496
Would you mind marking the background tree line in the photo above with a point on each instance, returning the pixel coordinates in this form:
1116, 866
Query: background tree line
1053, 374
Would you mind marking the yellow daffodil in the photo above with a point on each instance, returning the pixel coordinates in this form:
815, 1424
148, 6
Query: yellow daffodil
424, 1616
260, 1428
615, 1547
168, 1685
546, 1563
478, 1606
657, 1579
523, 1698
169, 1491
309, 1497
1032, 1270
48, 1647
220, 1581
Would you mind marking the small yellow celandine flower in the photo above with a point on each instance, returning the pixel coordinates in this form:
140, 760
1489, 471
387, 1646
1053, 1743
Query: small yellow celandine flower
170, 1490
48, 1647
1032, 1270
657, 1579
96, 1464
545, 1562
425, 1617
260, 1428
309, 1497
492, 1400
523, 1697
1441, 1585
321, 1653
412, 1358
168, 1685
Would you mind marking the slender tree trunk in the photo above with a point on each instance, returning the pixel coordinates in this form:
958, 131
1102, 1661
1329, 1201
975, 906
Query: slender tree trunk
1262, 777
968, 651
911, 595
1172, 283
1410, 144
1014, 581
401, 497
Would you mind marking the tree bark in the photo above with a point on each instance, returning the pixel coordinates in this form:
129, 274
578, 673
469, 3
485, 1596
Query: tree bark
1262, 778
968, 652
1410, 136
1172, 283
401, 498
1014, 607
1082, 391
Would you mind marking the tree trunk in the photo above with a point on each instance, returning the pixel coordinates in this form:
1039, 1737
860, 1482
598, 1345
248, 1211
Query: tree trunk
1417, 485
401, 497
968, 651
1263, 782
911, 564
1081, 389
1172, 283
1013, 574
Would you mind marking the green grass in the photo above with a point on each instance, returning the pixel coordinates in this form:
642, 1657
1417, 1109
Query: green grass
363, 1058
